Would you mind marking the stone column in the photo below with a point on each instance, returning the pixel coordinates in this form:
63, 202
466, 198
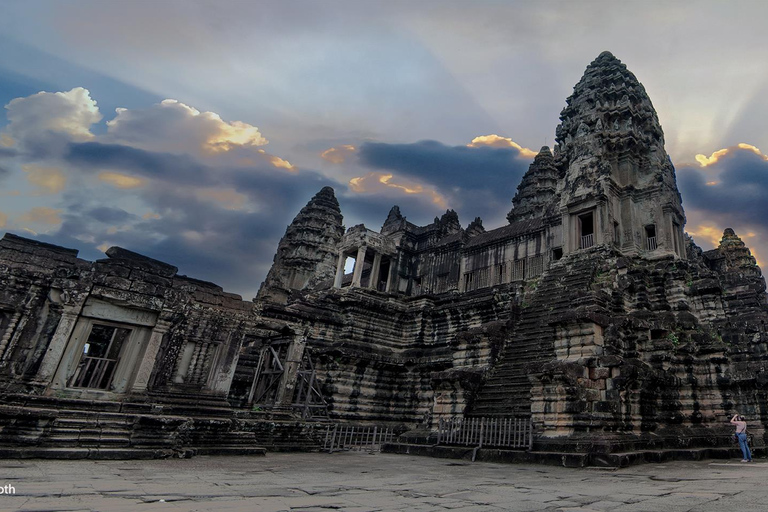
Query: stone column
339, 278
394, 263
374, 279
150, 355
359, 264
58, 343
293, 359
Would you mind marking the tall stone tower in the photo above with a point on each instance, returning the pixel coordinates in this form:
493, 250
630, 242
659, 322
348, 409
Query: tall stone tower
306, 255
619, 184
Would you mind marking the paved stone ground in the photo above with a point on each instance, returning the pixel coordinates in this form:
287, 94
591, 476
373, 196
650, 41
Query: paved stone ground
357, 482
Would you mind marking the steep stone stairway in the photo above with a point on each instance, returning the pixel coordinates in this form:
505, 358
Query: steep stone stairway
561, 289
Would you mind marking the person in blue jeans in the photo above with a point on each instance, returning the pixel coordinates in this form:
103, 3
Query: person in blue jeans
741, 435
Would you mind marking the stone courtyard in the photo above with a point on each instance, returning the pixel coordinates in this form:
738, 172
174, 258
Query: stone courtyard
359, 481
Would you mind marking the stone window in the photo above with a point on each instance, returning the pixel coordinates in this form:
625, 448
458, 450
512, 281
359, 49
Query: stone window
518, 270
441, 284
586, 230
100, 357
616, 234
469, 281
535, 266
557, 253
650, 237
501, 273
483, 278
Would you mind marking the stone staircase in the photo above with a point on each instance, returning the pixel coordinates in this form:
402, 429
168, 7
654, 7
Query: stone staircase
67, 428
560, 290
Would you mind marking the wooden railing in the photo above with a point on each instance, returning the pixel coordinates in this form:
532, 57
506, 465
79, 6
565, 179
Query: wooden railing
587, 241
350, 437
481, 431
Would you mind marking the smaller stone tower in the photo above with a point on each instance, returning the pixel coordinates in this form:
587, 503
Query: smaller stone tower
536, 193
306, 255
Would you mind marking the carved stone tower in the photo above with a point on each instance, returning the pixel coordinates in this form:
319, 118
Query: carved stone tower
619, 186
306, 254
536, 192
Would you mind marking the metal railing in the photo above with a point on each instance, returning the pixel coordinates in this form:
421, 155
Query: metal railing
651, 245
587, 241
350, 437
482, 431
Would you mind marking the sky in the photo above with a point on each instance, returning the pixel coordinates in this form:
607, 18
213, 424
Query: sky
193, 132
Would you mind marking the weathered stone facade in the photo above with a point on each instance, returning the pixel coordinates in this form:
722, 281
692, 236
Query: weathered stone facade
590, 312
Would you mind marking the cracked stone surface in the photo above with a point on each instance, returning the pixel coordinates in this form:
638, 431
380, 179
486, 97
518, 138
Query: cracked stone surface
359, 482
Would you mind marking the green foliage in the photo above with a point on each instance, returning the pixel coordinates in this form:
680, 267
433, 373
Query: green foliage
672, 338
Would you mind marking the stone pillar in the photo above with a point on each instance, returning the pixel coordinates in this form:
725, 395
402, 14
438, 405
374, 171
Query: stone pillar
58, 343
293, 359
374, 279
359, 264
150, 355
394, 263
339, 278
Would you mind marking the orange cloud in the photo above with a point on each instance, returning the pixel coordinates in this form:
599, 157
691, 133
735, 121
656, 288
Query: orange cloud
150, 215
118, 180
705, 160
277, 161
338, 154
373, 182
3, 220
496, 141
42, 215
6, 140
48, 180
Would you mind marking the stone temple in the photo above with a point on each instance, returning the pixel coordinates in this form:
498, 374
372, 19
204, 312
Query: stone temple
592, 315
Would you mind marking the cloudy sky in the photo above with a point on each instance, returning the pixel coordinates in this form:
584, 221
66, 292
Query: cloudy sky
194, 131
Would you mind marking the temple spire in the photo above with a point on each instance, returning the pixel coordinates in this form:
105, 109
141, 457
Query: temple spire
306, 255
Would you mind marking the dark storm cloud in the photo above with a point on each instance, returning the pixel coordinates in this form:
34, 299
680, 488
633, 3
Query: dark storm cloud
737, 191
476, 181
149, 164
448, 166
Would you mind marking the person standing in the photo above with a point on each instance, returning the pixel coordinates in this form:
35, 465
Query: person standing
741, 435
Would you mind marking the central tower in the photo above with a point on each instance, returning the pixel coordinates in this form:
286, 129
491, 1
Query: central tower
619, 184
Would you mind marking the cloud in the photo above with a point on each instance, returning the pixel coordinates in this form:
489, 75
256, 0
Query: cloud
123, 181
706, 161
476, 181
69, 114
109, 215
496, 141
172, 126
3, 219
382, 183
728, 189
48, 180
338, 154
276, 161
42, 215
